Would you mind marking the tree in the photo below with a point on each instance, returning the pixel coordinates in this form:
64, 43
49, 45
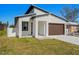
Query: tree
0, 22
70, 14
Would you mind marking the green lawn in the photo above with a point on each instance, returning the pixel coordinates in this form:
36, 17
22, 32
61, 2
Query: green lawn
32, 46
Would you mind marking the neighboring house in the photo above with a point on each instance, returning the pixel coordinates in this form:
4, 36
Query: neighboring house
39, 23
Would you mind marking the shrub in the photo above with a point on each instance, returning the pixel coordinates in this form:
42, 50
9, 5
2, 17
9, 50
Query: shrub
2, 32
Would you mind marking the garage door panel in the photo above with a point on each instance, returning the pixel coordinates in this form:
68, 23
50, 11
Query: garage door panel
56, 29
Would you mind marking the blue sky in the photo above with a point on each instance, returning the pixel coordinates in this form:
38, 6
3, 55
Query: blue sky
9, 11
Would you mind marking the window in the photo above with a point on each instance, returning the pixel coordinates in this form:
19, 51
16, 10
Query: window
24, 26
32, 11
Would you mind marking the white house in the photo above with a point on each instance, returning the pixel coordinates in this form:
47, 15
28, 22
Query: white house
37, 22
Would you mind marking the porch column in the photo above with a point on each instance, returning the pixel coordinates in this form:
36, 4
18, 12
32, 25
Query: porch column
65, 31
20, 29
36, 28
46, 28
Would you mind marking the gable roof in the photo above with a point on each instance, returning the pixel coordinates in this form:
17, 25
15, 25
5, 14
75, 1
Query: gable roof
33, 6
34, 14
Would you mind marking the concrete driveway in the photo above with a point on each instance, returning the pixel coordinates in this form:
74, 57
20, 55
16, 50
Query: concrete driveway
65, 38
70, 39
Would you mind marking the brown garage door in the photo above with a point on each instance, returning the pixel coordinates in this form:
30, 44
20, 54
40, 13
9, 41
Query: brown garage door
56, 29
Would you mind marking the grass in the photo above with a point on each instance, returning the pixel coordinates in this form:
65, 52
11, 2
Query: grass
32, 46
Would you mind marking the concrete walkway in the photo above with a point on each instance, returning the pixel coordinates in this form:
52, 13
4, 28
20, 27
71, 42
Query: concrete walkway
70, 39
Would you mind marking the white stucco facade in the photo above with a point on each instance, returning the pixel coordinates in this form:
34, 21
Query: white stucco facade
38, 12
40, 26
